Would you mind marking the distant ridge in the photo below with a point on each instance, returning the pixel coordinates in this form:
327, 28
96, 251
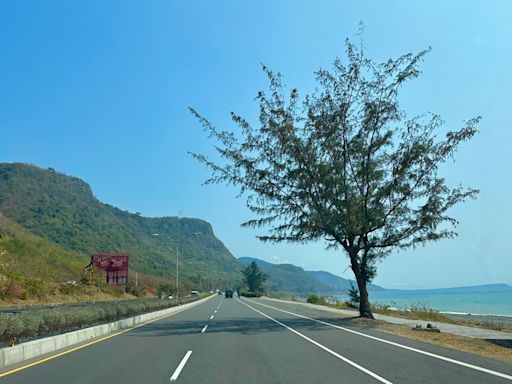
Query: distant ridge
338, 282
293, 279
288, 278
476, 288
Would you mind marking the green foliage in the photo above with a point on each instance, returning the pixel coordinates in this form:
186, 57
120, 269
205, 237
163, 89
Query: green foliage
32, 267
315, 299
44, 322
253, 278
344, 164
165, 290
418, 311
94, 276
341, 305
353, 294
51, 223
289, 278
251, 294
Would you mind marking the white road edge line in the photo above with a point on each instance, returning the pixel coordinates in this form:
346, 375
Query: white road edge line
177, 372
350, 362
204, 328
211, 317
461, 363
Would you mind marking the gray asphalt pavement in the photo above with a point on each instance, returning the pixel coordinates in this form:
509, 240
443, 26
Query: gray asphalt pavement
259, 341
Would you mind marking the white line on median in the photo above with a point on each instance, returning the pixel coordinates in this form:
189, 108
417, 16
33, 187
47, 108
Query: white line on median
177, 372
204, 328
355, 365
461, 363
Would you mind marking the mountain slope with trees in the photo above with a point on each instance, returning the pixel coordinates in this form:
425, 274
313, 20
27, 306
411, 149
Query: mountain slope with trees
288, 278
292, 279
62, 212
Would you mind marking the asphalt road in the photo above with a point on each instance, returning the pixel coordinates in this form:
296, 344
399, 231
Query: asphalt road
259, 341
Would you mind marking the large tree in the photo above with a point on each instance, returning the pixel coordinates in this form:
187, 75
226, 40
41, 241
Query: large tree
344, 164
253, 278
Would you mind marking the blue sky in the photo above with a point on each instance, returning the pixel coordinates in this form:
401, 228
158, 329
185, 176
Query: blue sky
100, 90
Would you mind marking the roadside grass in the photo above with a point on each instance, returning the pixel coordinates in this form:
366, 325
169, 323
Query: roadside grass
491, 324
460, 343
421, 311
41, 322
425, 313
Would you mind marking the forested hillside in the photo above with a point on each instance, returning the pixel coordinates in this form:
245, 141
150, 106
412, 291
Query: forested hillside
292, 279
288, 278
61, 215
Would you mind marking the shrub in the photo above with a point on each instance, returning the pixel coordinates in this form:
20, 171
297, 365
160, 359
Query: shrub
315, 299
383, 309
353, 293
3, 323
31, 325
14, 290
342, 305
69, 289
44, 322
48, 321
13, 328
251, 294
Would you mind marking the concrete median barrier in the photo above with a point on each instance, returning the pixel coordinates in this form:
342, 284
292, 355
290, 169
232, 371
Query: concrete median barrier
39, 347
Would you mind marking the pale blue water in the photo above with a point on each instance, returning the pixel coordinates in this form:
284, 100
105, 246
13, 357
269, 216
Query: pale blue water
475, 301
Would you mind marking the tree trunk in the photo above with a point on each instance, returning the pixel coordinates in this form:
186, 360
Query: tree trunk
364, 303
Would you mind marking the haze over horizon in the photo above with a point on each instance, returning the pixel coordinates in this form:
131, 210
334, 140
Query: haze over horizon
100, 91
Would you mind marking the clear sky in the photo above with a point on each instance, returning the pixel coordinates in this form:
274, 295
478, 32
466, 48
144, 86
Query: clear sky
100, 89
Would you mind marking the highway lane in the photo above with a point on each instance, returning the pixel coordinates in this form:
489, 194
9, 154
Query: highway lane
147, 354
254, 341
241, 346
393, 362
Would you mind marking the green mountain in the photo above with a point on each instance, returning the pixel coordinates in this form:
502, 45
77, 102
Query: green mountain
62, 213
293, 279
290, 278
36, 264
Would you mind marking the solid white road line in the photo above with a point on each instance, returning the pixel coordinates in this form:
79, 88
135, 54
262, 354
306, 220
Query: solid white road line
461, 363
177, 372
350, 362
211, 317
204, 328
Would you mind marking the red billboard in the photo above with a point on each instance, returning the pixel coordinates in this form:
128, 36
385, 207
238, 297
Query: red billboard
114, 264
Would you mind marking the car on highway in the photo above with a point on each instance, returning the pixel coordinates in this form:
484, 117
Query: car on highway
228, 293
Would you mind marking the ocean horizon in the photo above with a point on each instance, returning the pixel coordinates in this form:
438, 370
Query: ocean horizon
483, 300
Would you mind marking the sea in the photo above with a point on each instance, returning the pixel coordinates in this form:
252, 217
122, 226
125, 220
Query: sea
485, 300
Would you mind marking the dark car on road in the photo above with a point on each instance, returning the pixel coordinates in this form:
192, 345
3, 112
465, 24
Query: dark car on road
228, 293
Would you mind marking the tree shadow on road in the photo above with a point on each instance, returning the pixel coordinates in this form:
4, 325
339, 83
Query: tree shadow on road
239, 325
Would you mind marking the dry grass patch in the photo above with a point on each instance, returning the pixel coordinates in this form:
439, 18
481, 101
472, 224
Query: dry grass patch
460, 343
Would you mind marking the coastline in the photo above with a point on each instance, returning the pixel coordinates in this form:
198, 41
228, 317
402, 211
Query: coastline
498, 321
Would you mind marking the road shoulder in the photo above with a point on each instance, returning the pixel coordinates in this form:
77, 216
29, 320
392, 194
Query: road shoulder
460, 338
